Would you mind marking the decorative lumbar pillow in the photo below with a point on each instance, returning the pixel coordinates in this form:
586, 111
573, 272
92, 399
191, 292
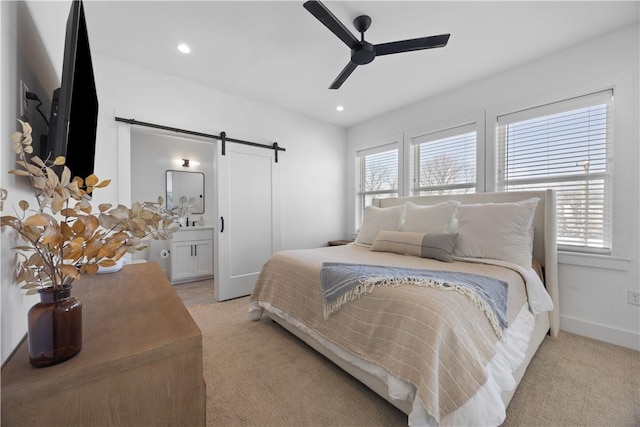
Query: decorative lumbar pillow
496, 231
435, 219
376, 219
434, 246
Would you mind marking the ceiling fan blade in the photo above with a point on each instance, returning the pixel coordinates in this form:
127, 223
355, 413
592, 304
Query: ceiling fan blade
346, 72
325, 16
413, 44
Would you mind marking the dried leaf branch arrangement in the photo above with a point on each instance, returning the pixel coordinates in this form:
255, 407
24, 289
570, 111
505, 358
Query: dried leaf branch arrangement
62, 237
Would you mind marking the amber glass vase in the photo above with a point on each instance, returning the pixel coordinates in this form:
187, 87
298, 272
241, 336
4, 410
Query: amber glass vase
55, 327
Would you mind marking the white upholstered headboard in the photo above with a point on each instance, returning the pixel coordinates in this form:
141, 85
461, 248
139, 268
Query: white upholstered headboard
544, 241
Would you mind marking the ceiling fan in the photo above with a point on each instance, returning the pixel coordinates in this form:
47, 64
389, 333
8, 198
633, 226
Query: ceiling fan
363, 52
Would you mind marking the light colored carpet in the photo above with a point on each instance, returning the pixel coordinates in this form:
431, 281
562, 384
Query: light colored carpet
258, 374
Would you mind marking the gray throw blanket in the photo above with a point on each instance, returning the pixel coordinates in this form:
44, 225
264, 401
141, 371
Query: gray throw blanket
342, 283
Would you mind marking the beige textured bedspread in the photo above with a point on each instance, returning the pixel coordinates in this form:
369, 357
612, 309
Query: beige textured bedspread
435, 339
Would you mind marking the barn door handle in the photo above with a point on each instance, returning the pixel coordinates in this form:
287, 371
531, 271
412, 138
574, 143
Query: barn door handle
222, 224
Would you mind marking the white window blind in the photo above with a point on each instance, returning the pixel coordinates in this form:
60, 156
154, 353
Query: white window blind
376, 175
444, 162
566, 146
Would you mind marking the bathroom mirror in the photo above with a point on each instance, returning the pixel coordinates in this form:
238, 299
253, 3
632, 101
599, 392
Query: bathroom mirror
187, 184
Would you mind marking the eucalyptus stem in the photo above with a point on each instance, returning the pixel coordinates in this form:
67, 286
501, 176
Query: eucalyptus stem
23, 157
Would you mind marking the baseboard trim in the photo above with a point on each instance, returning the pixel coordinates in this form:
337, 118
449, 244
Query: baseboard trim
599, 332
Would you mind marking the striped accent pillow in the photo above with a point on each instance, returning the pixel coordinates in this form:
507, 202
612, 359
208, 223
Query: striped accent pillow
435, 246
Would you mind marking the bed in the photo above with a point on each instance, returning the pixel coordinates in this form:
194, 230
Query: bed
415, 327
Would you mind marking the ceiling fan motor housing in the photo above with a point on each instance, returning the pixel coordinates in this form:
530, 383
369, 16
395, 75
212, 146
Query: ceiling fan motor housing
363, 54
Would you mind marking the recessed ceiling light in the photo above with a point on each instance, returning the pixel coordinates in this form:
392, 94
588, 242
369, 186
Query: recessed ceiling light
183, 48
339, 108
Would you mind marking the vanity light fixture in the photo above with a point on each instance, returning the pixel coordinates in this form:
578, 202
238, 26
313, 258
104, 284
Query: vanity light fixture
183, 48
185, 163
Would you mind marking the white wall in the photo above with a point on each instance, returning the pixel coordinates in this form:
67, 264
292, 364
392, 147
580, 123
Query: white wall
21, 51
593, 289
312, 168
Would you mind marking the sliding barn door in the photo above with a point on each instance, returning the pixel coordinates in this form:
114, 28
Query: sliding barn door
248, 217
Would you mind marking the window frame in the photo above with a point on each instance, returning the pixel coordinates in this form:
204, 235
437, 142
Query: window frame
418, 138
372, 147
544, 109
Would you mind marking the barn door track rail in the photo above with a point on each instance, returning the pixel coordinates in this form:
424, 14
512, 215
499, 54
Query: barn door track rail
222, 137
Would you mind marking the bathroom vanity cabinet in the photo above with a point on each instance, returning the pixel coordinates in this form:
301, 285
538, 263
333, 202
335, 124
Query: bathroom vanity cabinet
192, 254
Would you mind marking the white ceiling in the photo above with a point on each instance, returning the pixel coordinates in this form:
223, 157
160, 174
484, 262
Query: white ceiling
279, 54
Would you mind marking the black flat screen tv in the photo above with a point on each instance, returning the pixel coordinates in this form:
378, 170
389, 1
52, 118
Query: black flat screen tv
74, 106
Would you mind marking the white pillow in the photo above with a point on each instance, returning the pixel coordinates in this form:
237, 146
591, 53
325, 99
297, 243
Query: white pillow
496, 231
435, 219
376, 219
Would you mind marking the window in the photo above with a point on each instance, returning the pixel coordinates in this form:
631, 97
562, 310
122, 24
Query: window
444, 162
565, 146
376, 175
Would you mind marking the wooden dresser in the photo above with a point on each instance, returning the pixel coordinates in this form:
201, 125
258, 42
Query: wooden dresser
140, 364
